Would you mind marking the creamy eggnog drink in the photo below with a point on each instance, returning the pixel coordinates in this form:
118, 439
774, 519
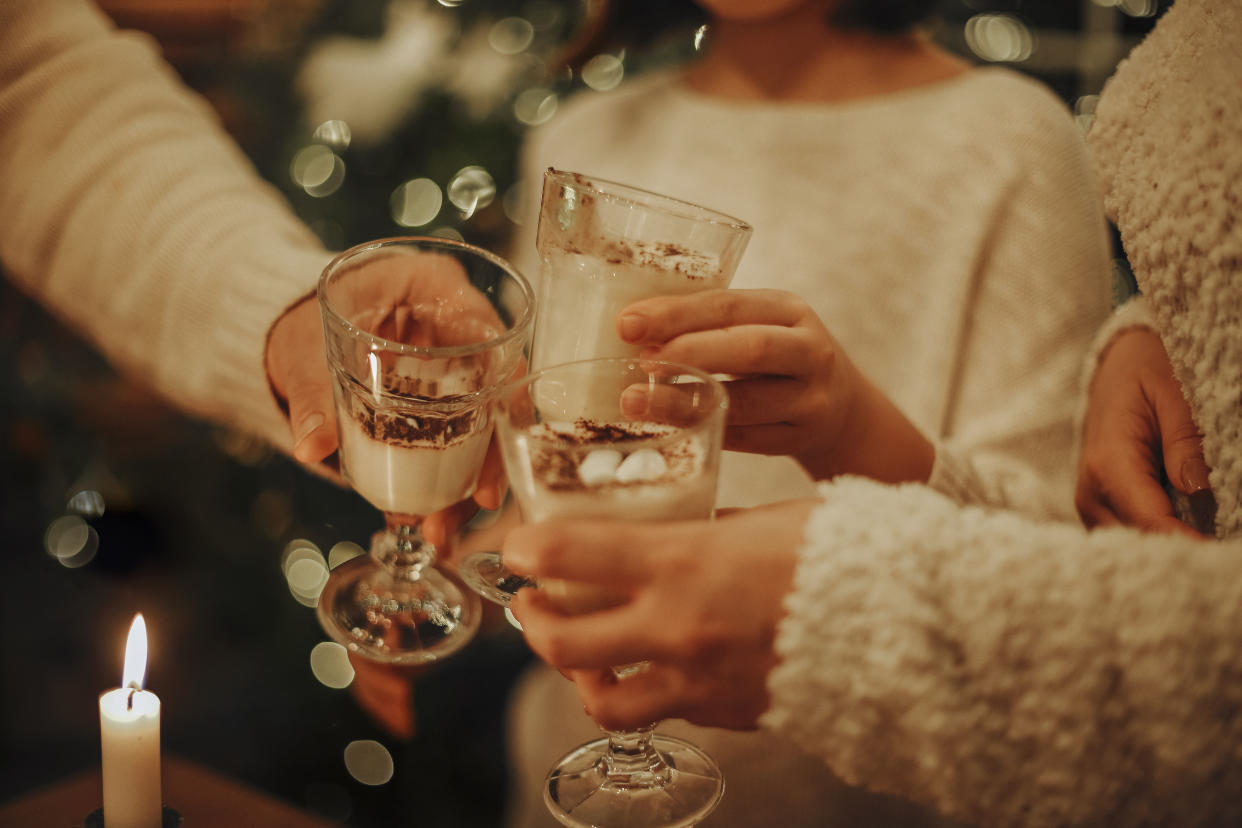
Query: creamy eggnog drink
581, 295
603, 246
603, 461
649, 453
419, 335
413, 464
623, 471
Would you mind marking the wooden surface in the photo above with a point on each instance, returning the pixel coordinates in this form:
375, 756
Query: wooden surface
203, 797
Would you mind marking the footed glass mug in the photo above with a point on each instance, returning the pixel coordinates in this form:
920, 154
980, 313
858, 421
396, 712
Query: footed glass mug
574, 446
420, 332
602, 246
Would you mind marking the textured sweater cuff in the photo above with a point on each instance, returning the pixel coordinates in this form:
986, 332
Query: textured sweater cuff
1135, 313
954, 476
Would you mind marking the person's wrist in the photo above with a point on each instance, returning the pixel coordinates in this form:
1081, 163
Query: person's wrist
878, 441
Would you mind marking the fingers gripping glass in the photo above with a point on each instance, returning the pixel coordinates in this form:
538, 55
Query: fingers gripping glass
602, 246
420, 332
624, 440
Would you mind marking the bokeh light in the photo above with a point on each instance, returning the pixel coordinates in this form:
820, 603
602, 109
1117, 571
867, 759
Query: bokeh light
305, 571
329, 662
1139, 8
535, 106
335, 134
71, 541
87, 502
700, 36
1134, 8
416, 202
368, 761
471, 189
511, 35
65, 536
317, 170
603, 72
1084, 111
999, 38
343, 551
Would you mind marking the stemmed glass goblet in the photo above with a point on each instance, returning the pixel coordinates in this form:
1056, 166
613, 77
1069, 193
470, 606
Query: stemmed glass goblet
625, 440
419, 332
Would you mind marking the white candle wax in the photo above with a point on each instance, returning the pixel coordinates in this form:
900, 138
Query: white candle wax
129, 728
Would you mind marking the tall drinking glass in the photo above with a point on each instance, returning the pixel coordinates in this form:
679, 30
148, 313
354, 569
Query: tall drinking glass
420, 332
650, 452
603, 245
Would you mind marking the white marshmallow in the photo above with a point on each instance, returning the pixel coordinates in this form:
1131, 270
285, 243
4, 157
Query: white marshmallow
642, 466
599, 467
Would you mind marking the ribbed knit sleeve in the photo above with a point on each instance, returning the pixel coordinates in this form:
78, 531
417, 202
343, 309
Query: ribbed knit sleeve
1167, 138
1038, 293
131, 214
1011, 673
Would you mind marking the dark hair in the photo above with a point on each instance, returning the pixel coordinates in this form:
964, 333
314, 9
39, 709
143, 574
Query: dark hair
882, 16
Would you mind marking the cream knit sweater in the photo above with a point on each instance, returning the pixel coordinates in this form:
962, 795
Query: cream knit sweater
1013, 673
950, 237
131, 214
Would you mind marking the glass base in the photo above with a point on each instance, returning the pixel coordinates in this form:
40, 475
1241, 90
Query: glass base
485, 574
680, 790
397, 621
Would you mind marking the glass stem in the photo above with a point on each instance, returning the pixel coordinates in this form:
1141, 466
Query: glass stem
632, 760
404, 553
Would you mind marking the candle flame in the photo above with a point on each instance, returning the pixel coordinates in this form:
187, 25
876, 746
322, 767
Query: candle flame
135, 654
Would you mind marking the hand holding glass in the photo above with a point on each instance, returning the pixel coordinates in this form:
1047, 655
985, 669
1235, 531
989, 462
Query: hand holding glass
420, 332
574, 446
602, 246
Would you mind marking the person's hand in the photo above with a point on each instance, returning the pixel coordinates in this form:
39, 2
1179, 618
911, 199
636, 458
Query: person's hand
1137, 430
793, 389
427, 306
699, 601
386, 694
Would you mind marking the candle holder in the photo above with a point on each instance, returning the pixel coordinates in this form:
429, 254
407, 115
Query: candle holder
169, 818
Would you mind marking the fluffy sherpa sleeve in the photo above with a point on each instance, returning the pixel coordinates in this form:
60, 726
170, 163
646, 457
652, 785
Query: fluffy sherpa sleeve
1012, 673
131, 214
1167, 139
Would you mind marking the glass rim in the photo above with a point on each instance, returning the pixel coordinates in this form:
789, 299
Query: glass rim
616, 191
720, 408
519, 326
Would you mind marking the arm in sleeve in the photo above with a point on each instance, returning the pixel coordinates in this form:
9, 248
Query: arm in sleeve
132, 215
1041, 292
1009, 672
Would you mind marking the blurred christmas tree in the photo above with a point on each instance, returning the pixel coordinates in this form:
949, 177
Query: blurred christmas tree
390, 117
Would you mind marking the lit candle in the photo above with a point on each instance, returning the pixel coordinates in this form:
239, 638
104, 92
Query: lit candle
129, 726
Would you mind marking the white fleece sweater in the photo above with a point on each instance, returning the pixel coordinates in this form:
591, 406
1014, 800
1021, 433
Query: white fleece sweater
1168, 138
131, 214
1013, 673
